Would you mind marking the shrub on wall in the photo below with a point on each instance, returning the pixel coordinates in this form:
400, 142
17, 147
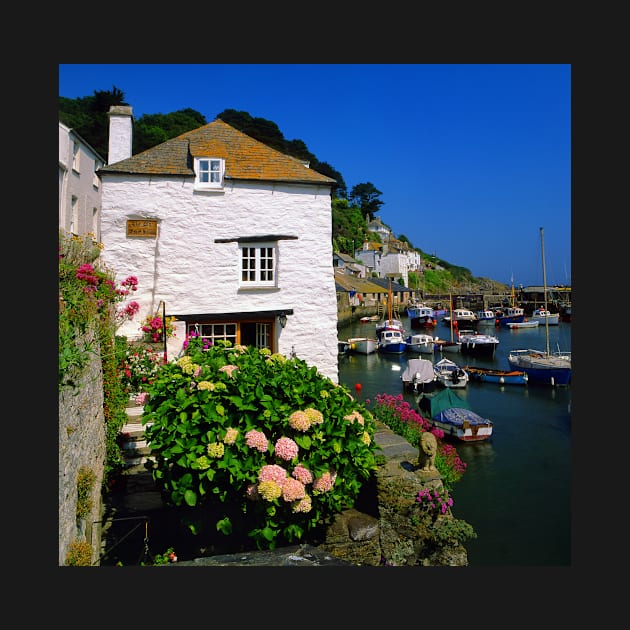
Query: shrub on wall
253, 445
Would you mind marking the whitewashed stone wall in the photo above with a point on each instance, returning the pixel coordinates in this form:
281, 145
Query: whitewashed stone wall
189, 271
82, 442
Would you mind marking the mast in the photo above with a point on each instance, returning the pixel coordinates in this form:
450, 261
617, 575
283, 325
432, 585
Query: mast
450, 304
542, 249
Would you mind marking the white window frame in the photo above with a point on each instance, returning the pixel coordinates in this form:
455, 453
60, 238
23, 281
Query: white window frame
224, 331
76, 156
254, 269
209, 173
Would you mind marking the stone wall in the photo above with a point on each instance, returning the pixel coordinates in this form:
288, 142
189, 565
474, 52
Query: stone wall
82, 443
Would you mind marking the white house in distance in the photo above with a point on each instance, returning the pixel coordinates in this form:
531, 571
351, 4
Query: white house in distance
390, 258
79, 185
229, 236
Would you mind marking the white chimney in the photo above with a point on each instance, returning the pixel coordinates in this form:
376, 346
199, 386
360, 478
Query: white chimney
120, 133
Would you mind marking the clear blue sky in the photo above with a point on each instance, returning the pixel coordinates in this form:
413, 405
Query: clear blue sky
471, 159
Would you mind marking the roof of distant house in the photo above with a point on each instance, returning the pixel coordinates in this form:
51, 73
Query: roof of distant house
245, 158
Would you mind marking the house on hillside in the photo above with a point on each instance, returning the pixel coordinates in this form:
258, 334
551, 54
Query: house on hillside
79, 185
229, 236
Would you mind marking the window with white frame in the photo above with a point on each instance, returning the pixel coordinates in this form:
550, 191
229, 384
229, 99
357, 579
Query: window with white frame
76, 154
209, 173
214, 332
258, 265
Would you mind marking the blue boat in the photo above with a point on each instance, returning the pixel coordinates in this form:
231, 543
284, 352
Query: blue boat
391, 341
500, 377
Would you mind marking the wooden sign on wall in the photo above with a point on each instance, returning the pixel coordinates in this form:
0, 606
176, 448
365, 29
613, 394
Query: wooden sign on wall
144, 228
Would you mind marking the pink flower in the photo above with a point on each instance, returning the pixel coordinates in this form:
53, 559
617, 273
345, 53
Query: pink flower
228, 369
273, 472
141, 398
293, 490
302, 474
299, 420
252, 492
256, 439
324, 483
286, 448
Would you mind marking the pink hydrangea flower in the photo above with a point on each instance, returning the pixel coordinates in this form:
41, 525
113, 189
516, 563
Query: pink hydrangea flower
273, 472
252, 492
256, 439
293, 490
324, 483
228, 369
302, 474
286, 449
299, 421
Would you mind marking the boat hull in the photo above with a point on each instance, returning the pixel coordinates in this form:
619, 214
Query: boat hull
541, 368
362, 345
463, 424
499, 377
394, 347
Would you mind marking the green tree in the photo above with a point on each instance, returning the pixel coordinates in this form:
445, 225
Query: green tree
366, 196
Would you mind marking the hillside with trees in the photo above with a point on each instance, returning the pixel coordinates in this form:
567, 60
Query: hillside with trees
351, 210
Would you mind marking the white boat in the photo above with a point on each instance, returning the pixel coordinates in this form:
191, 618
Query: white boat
542, 315
390, 332
442, 345
477, 344
526, 324
542, 366
486, 317
461, 317
421, 316
362, 345
391, 341
450, 374
419, 376
421, 342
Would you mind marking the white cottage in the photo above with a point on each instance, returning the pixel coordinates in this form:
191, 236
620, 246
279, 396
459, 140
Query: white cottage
229, 236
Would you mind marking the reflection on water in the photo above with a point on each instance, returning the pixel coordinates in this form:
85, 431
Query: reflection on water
517, 486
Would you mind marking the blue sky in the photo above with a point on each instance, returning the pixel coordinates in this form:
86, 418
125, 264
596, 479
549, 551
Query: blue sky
471, 159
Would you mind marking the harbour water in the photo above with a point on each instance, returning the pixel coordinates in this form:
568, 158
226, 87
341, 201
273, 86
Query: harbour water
516, 491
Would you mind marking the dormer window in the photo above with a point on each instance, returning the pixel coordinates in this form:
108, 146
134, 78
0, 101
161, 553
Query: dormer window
209, 173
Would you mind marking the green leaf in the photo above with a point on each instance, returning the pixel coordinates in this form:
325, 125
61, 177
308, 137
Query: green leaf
224, 526
303, 441
191, 498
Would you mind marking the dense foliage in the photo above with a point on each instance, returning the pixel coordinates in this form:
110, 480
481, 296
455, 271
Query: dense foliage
253, 445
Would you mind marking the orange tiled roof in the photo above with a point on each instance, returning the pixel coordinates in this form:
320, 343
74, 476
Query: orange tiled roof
245, 158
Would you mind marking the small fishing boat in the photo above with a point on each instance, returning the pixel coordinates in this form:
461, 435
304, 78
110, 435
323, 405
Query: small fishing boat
530, 323
477, 344
391, 342
542, 314
486, 317
452, 414
450, 374
420, 342
501, 377
362, 345
369, 318
342, 346
419, 376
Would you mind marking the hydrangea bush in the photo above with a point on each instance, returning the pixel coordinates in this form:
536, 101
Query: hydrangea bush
254, 445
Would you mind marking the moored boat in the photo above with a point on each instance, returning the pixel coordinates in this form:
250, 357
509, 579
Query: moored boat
362, 345
542, 315
420, 342
391, 342
421, 316
419, 376
449, 374
452, 414
525, 324
486, 317
477, 344
501, 377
